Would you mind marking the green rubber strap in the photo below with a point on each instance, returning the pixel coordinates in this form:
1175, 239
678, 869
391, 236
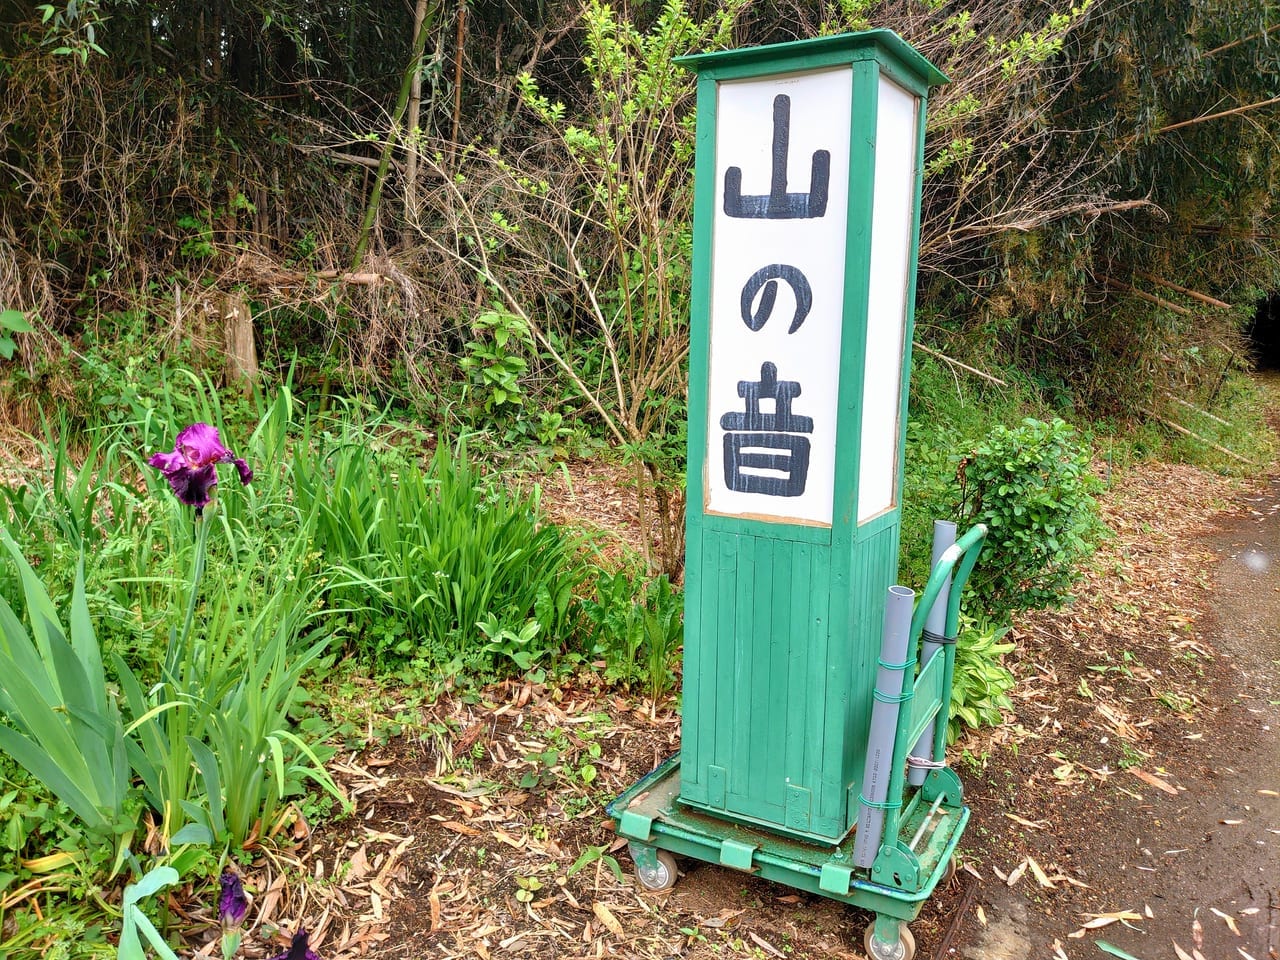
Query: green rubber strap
881, 805
900, 698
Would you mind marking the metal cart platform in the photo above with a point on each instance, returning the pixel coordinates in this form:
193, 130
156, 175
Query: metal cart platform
922, 825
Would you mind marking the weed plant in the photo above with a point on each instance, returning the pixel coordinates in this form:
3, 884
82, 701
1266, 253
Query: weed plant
636, 628
422, 556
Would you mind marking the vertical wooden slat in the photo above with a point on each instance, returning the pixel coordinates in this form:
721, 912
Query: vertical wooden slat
800, 640
740, 685
725, 670
783, 631
697, 648
763, 724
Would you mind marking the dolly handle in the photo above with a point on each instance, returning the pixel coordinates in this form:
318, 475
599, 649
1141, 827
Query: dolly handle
962, 548
952, 631
960, 557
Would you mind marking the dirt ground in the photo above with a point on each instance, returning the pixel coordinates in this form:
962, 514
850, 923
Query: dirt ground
1130, 802
1181, 849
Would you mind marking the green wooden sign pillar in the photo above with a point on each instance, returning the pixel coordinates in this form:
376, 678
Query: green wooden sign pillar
806, 221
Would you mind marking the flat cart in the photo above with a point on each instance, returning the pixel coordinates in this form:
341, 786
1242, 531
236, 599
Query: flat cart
922, 825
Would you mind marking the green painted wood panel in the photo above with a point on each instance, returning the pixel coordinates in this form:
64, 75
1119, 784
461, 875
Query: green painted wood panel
772, 698
758, 630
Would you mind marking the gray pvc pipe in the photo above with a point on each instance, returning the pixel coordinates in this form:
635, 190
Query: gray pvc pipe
884, 724
944, 535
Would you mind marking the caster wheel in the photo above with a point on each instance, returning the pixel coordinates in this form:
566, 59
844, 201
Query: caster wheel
660, 876
904, 949
949, 874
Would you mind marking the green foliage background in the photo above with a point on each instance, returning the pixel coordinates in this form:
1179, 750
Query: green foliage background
1086, 166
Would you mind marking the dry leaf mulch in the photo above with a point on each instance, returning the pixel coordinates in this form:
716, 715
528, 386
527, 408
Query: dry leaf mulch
1123, 712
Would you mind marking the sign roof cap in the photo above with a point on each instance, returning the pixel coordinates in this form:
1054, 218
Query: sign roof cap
834, 49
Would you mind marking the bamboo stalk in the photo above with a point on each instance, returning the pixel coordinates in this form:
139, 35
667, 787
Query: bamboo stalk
1203, 413
415, 111
1151, 298
457, 75
1215, 116
1225, 46
1195, 436
1193, 294
252, 273
380, 178
310, 148
360, 279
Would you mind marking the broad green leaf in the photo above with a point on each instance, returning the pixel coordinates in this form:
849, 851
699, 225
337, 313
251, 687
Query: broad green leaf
15, 643
40, 609
193, 833
155, 880
41, 766
15, 320
45, 725
87, 722
84, 642
139, 920
208, 765
130, 947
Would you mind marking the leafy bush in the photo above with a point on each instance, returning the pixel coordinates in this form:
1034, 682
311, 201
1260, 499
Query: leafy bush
1031, 486
949, 416
636, 628
981, 682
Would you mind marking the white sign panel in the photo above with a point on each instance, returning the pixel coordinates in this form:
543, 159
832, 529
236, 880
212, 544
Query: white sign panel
891, 222
777, 291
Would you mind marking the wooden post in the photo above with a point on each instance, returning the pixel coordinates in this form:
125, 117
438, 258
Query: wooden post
241, 365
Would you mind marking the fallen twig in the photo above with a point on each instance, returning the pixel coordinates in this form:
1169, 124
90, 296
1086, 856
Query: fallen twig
956, 363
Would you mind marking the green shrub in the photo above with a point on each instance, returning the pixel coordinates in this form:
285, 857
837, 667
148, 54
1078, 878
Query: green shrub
1031, 486
949, 416
981, 682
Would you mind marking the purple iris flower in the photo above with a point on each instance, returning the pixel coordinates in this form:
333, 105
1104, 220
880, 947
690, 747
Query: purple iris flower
190, 468
233, 904
298, 950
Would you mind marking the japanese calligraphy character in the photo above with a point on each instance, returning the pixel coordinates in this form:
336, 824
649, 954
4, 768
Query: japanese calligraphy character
778, 204
753, 430
768, 277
